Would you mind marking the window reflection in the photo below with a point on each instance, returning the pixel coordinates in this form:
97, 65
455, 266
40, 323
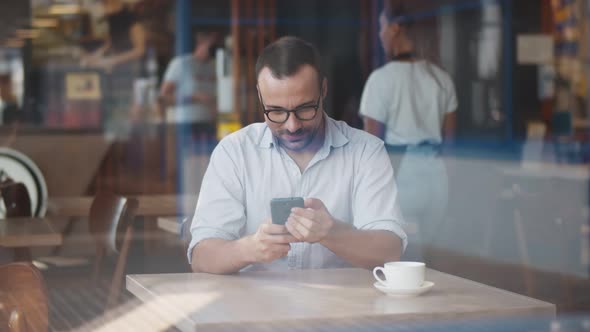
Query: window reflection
86, 99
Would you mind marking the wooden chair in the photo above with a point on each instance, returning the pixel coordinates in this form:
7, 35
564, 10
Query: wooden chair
111, 225
17, 203
16, 322
111, 229
16, 199
23, 297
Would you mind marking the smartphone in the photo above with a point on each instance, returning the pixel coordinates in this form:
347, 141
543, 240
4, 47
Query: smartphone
280, 208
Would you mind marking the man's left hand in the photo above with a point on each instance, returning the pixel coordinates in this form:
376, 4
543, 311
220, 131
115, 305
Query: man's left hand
312, 223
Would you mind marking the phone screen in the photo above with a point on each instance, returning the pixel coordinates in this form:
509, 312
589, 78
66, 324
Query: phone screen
280, 208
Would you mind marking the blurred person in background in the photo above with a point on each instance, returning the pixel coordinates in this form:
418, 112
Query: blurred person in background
125, 43
409, 103
122, 56
11, 112
188, 90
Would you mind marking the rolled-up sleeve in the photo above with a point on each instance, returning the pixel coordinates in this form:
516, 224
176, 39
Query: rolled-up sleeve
173, 71
220, 211
374, 103
375, 205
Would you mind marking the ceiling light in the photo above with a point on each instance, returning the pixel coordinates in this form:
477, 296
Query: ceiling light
44, 23
14, 42
64, 9
28, 33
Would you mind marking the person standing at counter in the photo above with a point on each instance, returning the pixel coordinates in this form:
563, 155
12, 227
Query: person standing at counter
122, 57
410, 103
350, 215
189, 85
126, 40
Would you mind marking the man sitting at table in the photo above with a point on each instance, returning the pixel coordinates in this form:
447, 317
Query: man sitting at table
351, 216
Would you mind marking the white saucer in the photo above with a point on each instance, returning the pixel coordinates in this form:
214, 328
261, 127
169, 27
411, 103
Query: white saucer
426, 286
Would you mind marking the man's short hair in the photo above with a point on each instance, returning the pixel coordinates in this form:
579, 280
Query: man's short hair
285, 57
205, 33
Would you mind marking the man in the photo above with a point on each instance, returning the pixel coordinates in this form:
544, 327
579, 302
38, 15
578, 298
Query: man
350, 215
190, 85
11, 113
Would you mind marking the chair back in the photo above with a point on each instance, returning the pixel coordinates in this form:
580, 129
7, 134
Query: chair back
16, 199
23, 296
111, 225
16, 322
109, 217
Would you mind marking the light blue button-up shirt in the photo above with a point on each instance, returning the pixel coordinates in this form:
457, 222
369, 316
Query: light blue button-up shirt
351, 174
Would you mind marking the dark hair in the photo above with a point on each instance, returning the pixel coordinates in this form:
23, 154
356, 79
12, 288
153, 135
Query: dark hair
5, 78
397, 11
285, 56
414, 17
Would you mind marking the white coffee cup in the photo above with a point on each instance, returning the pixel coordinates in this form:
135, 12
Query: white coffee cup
401, 275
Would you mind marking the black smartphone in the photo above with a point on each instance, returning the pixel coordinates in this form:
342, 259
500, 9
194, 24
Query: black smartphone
280, 208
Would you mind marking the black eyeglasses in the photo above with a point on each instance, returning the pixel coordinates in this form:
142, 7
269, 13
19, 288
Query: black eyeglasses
302, 113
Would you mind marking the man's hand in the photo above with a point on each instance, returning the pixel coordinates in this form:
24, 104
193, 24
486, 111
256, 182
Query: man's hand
312, 223
204, 98
199, 98
269, 243
105, 64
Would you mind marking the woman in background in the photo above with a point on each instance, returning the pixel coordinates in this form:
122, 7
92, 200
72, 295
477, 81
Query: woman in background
125, 42
121, 57
410, 104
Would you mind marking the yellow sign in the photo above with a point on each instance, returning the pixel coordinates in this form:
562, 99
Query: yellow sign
226, 128
83, 86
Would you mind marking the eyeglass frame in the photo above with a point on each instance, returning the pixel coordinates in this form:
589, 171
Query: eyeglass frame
294, 111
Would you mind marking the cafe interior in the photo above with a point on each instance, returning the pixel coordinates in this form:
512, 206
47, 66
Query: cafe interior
101, 168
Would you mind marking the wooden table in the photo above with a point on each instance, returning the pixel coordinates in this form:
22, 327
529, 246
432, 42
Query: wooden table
150, 208
28, 232
315, 298
149, 205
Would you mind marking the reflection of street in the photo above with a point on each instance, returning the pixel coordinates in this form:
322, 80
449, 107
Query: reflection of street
540, 170
505, 211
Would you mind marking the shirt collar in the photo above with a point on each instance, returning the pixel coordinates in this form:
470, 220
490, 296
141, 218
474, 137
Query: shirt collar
266, 139
334, 136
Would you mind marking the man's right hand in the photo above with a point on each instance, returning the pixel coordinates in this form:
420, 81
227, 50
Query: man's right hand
203, 98
269, 243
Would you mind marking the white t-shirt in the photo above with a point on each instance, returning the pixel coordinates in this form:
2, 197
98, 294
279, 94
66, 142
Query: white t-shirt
189, 77
411, 99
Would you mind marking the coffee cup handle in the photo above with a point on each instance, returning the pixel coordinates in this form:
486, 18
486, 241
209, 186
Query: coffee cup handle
377, 269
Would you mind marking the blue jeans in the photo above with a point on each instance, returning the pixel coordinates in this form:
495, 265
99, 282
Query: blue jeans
423, 188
